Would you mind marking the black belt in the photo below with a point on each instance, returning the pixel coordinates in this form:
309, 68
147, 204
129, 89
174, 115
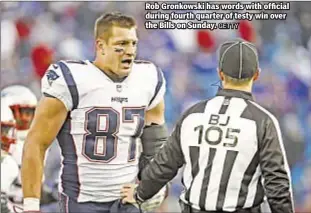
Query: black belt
188, 209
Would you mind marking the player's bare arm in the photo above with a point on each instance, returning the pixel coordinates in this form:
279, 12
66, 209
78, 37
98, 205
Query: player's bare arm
49, 117
154, 134
156, 114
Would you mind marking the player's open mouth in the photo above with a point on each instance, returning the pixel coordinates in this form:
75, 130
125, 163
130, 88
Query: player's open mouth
127, 62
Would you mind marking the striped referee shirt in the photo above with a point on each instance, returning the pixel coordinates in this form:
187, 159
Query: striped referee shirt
233, 157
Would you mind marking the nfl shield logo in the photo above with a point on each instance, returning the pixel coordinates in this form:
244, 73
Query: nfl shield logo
119, 88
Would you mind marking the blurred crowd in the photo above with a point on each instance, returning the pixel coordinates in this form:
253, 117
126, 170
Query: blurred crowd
35, 34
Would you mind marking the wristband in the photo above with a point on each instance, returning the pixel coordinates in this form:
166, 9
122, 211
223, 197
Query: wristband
31, 204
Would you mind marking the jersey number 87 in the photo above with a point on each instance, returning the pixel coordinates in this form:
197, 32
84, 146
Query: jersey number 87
109, 133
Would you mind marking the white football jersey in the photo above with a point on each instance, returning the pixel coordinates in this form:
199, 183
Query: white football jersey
17, 151
99, 140
16, 192
9, 172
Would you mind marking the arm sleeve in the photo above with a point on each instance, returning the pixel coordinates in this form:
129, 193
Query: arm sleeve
159, 89
275, 169
53, 84
162, 168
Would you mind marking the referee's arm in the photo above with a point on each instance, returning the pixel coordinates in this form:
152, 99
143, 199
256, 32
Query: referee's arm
275, 170
162, 168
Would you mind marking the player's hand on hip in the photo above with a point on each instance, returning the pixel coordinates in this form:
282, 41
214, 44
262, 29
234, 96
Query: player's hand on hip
127, 193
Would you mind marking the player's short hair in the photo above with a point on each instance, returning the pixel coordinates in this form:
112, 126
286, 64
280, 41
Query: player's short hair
105, 22
237, 81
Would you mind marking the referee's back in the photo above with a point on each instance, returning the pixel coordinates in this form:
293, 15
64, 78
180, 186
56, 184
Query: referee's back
231, 147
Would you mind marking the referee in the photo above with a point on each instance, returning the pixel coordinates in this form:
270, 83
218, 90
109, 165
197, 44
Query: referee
231, 148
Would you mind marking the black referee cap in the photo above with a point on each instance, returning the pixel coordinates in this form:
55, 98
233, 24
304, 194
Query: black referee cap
238, 59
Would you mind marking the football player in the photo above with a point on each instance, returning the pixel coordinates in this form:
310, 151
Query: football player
100, 112
22, 102
9, 167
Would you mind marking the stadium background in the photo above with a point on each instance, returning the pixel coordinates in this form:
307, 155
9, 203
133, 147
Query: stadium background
34, 34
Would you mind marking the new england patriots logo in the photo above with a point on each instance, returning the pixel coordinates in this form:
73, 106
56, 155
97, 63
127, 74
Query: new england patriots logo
51, 76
